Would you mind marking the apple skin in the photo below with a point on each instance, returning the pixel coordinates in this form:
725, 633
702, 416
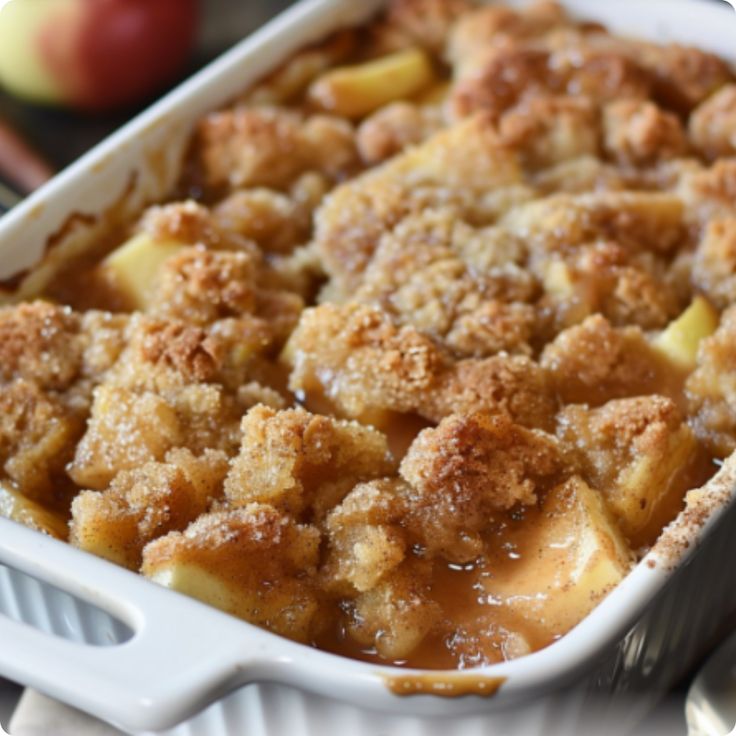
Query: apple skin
93, 54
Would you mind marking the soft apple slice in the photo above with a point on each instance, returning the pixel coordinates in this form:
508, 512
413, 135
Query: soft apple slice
567, 559
284, 607
133, 267
196, 581
650, 484
355, 91
15, 506
102, 527
558, 280
569, 292
679, 342
253, 562
435, 95
641, 454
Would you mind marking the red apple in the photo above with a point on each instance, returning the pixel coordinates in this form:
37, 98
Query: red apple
93, 54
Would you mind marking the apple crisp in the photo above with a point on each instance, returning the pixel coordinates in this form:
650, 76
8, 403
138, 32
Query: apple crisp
425, 351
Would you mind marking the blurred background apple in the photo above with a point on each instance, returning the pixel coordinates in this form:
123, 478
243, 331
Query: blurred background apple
93, 54
72, 71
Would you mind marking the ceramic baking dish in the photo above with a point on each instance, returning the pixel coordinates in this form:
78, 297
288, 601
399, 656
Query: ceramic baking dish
168, 657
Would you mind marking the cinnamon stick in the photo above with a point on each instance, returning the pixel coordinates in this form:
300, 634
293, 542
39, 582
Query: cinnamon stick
19, 163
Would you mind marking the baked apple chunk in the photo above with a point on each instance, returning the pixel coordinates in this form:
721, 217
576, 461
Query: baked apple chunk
637, 453
254, 562
566, 563
303, 463
145, 503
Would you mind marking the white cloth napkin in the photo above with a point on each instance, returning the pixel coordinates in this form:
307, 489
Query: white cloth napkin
37, 715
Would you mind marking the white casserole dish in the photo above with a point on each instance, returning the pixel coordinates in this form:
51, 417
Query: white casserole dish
184, 655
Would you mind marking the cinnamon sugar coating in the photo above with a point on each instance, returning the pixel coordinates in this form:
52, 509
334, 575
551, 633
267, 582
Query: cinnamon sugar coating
360, 360
146, 502
256, 560
593, 362
709, 389
453, 168
465, 470
271, 147
712, 125
174, 385
302, 463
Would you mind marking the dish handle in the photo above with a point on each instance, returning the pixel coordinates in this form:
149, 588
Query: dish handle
182, 655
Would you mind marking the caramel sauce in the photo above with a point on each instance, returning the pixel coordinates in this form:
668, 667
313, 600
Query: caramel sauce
401, 429
445, 685
80, 283
474, 630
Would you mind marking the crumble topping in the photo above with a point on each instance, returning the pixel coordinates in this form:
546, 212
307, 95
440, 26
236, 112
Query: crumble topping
432, 342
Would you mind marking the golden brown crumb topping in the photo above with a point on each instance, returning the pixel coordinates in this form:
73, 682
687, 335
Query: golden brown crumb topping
302, 463
146, 502
189, 222
594, 361
425, 22
361, 361
276, 221
710, 392
38, 434
714, 263
55, 347
394, 127
271, 147
253, 561
712, 125
641, 133
431, 350
453, 168
464, 471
